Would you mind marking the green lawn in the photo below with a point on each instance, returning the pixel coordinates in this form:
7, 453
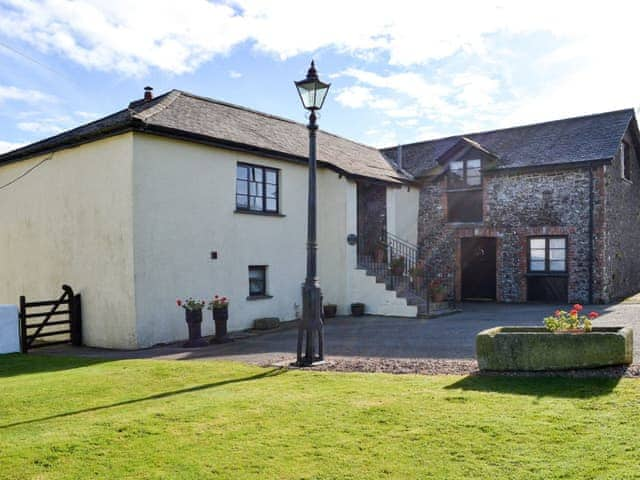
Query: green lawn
73, 418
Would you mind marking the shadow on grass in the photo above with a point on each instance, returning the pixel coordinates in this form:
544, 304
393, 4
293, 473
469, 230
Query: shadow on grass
560, 387
158, 396
15, 364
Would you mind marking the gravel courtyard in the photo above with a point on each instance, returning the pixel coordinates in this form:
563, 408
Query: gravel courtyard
399, 345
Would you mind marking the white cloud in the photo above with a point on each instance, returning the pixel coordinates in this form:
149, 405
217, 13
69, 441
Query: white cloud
86, 116
46, 126
447, 67
124, 36
233, 74
354, 96
131, 37
9, 146
23, 95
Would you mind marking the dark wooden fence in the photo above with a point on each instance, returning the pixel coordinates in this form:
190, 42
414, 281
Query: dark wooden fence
51, 322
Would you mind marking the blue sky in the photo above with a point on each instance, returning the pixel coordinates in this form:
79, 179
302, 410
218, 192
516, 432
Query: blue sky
401, 71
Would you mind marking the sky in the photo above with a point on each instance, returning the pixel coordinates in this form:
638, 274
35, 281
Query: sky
401, 71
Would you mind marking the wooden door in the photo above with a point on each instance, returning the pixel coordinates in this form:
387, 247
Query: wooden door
478, 262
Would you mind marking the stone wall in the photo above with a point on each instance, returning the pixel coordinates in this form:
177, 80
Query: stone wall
622, 224
517, 205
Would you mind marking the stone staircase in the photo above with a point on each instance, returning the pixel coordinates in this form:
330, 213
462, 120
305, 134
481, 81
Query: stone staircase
400, 284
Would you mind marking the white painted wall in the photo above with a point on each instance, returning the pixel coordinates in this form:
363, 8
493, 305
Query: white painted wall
402, 212
184, 204
130, 222
70, 221
9, 329
377, 299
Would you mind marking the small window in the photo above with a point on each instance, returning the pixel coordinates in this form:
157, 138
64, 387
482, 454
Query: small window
547, 254
465, 173
625, 160
257, 281
257, 189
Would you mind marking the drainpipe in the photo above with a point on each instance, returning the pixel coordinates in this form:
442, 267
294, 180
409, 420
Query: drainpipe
590, 233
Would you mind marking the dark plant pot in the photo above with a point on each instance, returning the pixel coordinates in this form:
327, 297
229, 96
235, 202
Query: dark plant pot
194, 323
220, 317
438, 297
397, 270
330, 311
357, 309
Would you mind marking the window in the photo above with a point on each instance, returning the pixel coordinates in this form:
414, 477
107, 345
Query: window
257, 189
547, 254
465, 173
257, 281
464, 198
625, 160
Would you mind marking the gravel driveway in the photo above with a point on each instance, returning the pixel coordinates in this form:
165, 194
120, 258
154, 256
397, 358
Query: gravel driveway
443, 345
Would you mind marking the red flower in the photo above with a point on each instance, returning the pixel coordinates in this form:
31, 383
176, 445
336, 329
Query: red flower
558, 313
573, 312
179, 302
216, 296
593, 315
577, 307
224, 299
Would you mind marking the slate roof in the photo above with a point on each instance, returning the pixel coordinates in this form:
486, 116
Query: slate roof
184, 115
571, 140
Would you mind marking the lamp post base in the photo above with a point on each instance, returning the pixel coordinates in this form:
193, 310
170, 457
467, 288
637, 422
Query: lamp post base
310, 349
305, 364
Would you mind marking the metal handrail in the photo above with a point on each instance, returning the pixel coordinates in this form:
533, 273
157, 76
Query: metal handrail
397, 262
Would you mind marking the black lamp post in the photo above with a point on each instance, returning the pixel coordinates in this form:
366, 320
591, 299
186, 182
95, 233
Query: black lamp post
310, 329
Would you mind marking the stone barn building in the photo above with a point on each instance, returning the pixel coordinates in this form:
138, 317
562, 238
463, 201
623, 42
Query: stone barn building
544, 212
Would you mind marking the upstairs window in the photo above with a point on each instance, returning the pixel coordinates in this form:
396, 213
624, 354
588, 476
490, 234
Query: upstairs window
465, 173
464, 198
257, 189
547, 254
625, 160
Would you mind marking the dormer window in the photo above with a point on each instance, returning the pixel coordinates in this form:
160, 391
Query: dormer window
465, 173
625, 160
464, 192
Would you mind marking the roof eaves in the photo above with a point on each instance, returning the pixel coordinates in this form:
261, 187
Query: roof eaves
242, 147
68, 139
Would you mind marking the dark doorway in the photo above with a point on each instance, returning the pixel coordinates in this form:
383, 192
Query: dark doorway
548, 289
372, 217
478, 268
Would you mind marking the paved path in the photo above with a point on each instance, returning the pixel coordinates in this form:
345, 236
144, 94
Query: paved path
449, 337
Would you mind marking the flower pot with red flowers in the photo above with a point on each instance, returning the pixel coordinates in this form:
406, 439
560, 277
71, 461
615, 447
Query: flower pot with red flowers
573, 321
219, 306
193, 316
438, 291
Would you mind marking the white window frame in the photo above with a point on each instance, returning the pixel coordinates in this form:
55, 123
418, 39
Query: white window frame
624, 174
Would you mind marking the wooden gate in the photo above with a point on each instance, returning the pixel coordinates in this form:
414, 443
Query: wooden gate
51, 322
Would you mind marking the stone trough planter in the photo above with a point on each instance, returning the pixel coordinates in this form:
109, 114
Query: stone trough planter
536, 349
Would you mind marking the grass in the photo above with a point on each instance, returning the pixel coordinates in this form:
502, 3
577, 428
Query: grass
145, 419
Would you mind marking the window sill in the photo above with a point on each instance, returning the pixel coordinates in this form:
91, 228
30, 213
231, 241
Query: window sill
254, 212
546, 274
464, 189
465, 224
627, 181
259, 297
